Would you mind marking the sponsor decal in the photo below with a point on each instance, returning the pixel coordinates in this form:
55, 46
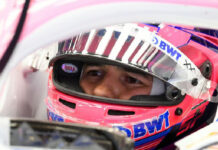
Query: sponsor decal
188, 65
54, 117
189, 122
149, 126
69, 68
166, 47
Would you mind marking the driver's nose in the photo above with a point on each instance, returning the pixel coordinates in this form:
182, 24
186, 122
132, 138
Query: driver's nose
109, 87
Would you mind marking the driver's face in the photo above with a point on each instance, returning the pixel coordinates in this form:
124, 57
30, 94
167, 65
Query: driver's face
114, 82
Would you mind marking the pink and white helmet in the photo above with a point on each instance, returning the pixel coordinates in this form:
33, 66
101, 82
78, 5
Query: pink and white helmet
180, 59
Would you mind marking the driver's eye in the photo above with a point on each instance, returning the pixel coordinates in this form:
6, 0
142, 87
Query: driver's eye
94, 73
132, 80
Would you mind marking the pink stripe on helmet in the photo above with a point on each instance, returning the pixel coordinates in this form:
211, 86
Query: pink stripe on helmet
81, 42
95, 42
136, 50
125, 47
110, 44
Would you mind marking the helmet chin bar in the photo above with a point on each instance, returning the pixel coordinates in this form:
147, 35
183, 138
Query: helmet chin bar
139, 100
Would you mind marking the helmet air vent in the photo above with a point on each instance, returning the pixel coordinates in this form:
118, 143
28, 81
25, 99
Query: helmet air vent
178, 111
120, 112
68, 104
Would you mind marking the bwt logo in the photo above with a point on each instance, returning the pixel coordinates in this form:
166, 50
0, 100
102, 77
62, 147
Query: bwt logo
148, 126
166, 47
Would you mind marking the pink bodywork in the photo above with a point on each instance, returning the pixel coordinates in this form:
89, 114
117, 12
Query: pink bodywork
40, 12
10, 12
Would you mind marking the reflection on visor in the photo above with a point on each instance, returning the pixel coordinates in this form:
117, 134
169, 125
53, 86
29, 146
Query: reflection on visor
139, 48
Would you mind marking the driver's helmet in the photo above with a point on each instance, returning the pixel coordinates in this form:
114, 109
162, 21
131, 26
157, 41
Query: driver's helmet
163, 72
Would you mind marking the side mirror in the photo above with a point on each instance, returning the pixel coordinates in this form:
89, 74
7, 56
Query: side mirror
44, 134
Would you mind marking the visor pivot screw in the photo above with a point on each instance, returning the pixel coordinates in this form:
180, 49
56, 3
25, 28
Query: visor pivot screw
178, 111
195, 82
